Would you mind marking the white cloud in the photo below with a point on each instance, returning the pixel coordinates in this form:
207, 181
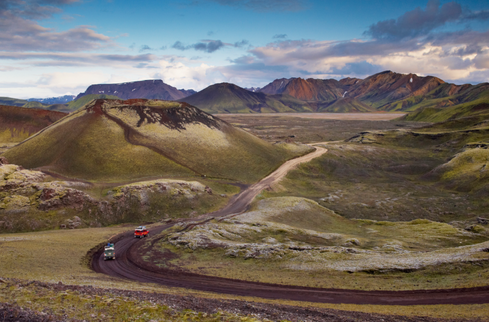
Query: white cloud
182, 73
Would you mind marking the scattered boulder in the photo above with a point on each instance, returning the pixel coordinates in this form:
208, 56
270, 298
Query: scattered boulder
73, 223
352, 242
475, 229
270, 240
482, 221
59, 197
141, 191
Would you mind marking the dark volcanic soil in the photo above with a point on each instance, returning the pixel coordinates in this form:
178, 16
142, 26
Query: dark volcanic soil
274, 312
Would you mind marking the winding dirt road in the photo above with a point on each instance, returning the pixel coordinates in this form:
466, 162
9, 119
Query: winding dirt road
130, 265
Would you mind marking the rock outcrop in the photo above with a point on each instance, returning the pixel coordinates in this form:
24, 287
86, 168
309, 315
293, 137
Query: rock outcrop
149, 89
33, 200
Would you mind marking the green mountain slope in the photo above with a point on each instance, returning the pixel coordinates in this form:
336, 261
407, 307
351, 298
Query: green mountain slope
84, 100
346, 105
12, 101
112, 140
229, 98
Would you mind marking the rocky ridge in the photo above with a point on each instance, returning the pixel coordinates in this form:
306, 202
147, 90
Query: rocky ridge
148, 89
26, 196
331, 250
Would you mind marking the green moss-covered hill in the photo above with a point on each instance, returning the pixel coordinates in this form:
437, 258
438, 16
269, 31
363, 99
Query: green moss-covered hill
114, 140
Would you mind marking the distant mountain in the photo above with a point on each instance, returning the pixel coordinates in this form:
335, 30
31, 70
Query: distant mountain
253, 89
382, 89
377, 90
53, 100
148, 89
386, 91
230, 98
325, 90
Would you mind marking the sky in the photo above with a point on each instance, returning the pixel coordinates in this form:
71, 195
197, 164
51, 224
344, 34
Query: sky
51, 48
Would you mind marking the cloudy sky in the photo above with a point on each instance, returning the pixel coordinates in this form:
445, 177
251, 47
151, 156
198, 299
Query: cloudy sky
57, 47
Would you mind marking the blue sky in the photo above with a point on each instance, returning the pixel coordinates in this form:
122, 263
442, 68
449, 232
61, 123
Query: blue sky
56, 47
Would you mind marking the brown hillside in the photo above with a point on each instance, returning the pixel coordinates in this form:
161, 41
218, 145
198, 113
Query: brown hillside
18, 123
314, 89
276, 87
386, 87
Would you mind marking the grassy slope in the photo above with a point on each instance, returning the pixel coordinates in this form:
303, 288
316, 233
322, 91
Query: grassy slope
94, 148
75, 105
302, 222
90, 146
286, 103
381, 182
467, 171
34, 104
228, 153
346, 105
12, 101
479, 107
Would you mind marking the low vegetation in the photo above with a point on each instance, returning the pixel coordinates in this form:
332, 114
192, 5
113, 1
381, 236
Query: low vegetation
306, 244
31, 200
45, 273
273, 128
18, 123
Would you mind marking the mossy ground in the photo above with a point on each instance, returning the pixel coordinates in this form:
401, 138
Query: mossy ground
419, 254
381, 183
380, 175
214, 263
72, 304
56, 256
273, 128
383, 180
155, 206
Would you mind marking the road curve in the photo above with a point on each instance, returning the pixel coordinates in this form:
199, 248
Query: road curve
130, 265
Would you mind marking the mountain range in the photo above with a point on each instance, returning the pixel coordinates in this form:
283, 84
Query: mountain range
386, 91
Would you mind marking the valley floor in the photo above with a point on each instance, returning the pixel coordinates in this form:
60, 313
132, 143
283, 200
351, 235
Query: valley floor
365, 198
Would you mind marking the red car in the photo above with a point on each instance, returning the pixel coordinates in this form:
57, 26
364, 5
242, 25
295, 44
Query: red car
141, 232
